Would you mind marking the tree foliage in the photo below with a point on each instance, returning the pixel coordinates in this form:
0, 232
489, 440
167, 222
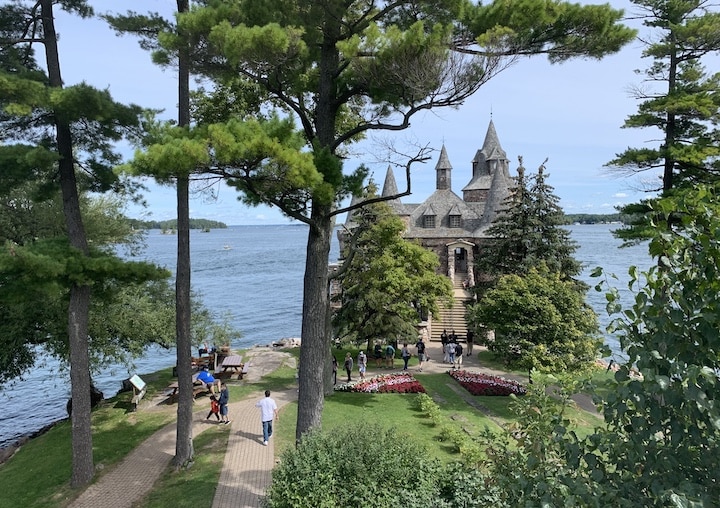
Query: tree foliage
540, 321
662, 421
388, 281
344, 69
679, 99
65, 134
528, 231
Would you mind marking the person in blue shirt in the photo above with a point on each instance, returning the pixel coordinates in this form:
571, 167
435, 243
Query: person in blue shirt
223, 402
207, 378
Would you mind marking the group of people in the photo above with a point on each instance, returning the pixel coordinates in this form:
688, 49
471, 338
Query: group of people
219, 404
453, 350
384, 356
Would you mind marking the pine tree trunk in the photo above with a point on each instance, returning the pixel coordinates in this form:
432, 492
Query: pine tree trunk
79, 306
184, 450
315, 345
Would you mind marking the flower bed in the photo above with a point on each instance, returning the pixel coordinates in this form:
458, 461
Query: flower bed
482, 384
386, 383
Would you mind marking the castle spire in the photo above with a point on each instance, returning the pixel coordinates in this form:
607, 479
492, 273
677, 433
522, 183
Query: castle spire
390, 186
443, 171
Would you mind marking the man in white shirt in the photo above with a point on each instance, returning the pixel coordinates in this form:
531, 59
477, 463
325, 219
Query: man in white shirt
268, 413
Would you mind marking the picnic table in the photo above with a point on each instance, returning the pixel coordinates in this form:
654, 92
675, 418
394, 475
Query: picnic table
232, 362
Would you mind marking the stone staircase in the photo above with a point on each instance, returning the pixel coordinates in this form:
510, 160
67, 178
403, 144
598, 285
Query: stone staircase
453, 318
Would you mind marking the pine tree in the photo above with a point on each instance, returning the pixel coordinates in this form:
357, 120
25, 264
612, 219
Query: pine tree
528, 232
52, 130
343, 71
679, 99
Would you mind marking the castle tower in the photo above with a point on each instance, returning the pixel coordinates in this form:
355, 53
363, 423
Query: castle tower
443, 171
488, 161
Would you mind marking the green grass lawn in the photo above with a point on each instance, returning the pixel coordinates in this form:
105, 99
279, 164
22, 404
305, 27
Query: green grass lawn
117, 431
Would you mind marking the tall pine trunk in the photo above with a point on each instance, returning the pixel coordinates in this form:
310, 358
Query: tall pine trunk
183, 443
79, 306
315, 345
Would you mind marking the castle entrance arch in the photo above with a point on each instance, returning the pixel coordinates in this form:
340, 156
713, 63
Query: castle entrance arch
461, 260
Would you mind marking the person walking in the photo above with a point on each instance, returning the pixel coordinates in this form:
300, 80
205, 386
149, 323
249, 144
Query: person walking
450, 352
458, 356
334, 367
223, 403
420, 346
362, 364
470, 341
405, 353
268, 413
214, 408
390, 356
378, 354
348, 365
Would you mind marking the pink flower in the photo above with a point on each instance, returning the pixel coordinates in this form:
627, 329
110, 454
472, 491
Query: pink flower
482, 384
386, 383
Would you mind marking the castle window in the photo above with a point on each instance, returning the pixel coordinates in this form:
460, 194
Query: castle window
455, 221
429, 221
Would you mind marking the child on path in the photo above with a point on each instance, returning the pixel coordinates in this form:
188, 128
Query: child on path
223, 402
214, 408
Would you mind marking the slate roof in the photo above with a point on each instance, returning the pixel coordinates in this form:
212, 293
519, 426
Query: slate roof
490, 176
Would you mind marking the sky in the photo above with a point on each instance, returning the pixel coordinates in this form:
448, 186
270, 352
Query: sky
571, 114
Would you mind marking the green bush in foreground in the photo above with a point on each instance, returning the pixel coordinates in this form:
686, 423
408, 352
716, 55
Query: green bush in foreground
361, 464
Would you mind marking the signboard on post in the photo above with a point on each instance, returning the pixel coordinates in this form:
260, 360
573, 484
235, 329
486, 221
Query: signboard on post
137, 383
138, 390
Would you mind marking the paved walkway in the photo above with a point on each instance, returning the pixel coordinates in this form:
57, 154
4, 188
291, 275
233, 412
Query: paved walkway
247, 469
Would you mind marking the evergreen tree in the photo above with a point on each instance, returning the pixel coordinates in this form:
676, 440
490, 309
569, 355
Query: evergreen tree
528, 232
56, 131
679, 99
554, 246
388, 280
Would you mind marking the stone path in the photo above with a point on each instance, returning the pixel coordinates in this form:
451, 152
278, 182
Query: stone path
246, 470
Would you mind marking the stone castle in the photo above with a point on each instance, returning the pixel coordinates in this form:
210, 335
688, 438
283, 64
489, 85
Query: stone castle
455, 226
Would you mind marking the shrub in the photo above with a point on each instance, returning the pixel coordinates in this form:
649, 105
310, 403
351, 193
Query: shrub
361, 464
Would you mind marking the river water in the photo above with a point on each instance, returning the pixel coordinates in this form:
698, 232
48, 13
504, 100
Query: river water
254, 275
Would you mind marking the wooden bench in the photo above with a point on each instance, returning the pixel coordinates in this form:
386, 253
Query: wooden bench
245, 370
172, 392
198, 387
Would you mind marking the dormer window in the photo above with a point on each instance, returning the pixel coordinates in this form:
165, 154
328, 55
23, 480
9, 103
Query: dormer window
454, 217
428, 221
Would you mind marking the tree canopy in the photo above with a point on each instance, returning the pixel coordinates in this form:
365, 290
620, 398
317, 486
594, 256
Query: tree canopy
541, 322
388, 282
341, 70
527, 232
679, 99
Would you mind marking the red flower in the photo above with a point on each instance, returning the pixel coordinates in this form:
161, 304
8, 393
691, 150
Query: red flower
388, 383
482, 384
